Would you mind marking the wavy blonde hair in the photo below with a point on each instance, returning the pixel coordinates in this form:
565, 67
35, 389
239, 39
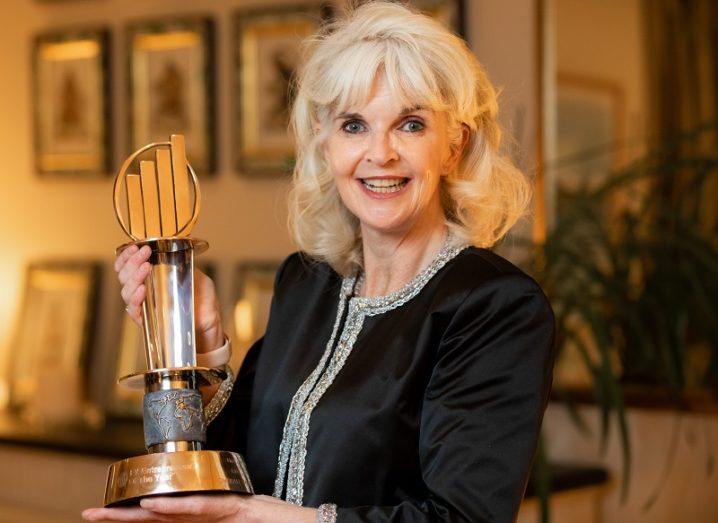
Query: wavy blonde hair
424, 64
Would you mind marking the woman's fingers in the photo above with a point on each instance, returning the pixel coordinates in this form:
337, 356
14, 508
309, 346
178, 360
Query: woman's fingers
134, 306
134, 280
124, 256
132, 263
210, 507
123, 514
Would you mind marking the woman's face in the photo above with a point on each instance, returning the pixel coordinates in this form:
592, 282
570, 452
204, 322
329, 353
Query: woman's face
387, 160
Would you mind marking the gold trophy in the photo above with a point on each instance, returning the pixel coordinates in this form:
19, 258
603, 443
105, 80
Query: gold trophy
159, 209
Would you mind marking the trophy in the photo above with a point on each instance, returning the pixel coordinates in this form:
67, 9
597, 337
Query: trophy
159, 208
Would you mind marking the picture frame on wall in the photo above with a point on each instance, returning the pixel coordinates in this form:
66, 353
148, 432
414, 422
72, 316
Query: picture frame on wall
590, 120
254, 289
172, 86
449, 12
124, 401
72, 116
266, 45
48, 372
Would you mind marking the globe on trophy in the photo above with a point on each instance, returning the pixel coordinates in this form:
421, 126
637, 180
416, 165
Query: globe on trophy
158, 207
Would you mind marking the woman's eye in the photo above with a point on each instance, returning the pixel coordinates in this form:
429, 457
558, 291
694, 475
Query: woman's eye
413, 126
353, 127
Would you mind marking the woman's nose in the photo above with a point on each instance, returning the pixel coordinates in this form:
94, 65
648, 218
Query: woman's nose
381, 149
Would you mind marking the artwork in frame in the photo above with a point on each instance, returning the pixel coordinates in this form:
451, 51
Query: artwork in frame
590, 127
72, 117
49, 363
266, 47
448, 12
131, 358
172, 86
254, 291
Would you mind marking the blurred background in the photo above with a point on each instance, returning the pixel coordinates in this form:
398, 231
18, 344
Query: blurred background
609, 105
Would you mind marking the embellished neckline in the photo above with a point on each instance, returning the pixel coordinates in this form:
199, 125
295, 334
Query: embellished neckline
378, 304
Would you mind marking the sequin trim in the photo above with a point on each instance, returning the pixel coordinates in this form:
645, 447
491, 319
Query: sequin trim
327, 513
289, 432
219, 400
293, 448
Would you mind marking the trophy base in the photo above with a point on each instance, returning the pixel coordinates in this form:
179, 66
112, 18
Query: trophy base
182, 472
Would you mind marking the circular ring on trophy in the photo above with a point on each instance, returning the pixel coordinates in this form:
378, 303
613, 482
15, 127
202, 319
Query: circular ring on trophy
158, 197
205, 375
167, 245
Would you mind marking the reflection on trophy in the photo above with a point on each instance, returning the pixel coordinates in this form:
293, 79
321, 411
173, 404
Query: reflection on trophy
159, 208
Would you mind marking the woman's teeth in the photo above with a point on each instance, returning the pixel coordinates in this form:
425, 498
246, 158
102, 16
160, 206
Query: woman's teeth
385, 185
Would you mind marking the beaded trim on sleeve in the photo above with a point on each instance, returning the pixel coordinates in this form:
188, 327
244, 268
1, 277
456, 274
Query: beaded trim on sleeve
219, 400
293, 448
327, 513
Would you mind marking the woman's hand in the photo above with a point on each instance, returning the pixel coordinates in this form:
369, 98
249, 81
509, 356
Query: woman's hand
224, 508
133, 267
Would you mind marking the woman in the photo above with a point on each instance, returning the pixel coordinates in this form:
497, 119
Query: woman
405, 369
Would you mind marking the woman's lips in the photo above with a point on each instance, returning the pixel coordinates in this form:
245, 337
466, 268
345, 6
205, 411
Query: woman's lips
383, 188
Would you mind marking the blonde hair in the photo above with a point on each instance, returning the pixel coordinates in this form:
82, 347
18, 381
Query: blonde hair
424, 64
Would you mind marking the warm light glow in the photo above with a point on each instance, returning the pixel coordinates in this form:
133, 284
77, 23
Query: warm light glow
243, 320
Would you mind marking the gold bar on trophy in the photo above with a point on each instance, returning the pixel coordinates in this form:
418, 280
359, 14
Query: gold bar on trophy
150, 199
179, 169
168, 212
134, 205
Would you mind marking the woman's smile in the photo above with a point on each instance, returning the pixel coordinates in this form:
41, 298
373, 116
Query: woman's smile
384, 187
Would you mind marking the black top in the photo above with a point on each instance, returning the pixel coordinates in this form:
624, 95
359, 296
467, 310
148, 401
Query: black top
434, 413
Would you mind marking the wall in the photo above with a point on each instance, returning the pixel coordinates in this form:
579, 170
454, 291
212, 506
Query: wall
673, 474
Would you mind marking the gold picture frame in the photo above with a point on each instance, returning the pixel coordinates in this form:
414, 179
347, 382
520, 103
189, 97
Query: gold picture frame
72, 117
55, 330
254, 293
449, 12
172, 86
266, 48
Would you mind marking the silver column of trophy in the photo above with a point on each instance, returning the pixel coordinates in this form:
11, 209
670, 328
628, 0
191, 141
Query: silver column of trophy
157, 211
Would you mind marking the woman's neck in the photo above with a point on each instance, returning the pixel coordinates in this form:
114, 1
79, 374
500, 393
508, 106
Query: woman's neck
391, 261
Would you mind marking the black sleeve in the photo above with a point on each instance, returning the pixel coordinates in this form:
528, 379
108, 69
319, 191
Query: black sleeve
482, 409
228, 431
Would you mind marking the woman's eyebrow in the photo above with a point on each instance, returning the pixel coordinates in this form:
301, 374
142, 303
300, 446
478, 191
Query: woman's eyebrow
403, 112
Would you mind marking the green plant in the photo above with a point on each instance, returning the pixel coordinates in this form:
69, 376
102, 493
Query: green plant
631, 268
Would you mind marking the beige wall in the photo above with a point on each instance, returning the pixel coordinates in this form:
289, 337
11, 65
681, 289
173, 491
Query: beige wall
673, 462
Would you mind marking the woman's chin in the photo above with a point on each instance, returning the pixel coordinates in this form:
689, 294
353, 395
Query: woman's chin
385, 224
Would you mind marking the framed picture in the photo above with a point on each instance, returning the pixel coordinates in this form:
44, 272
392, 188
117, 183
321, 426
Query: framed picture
126, 402
590, 122
266, 47
72, 116
172, 91
449, 12
131, 358
254, 290
55, 331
